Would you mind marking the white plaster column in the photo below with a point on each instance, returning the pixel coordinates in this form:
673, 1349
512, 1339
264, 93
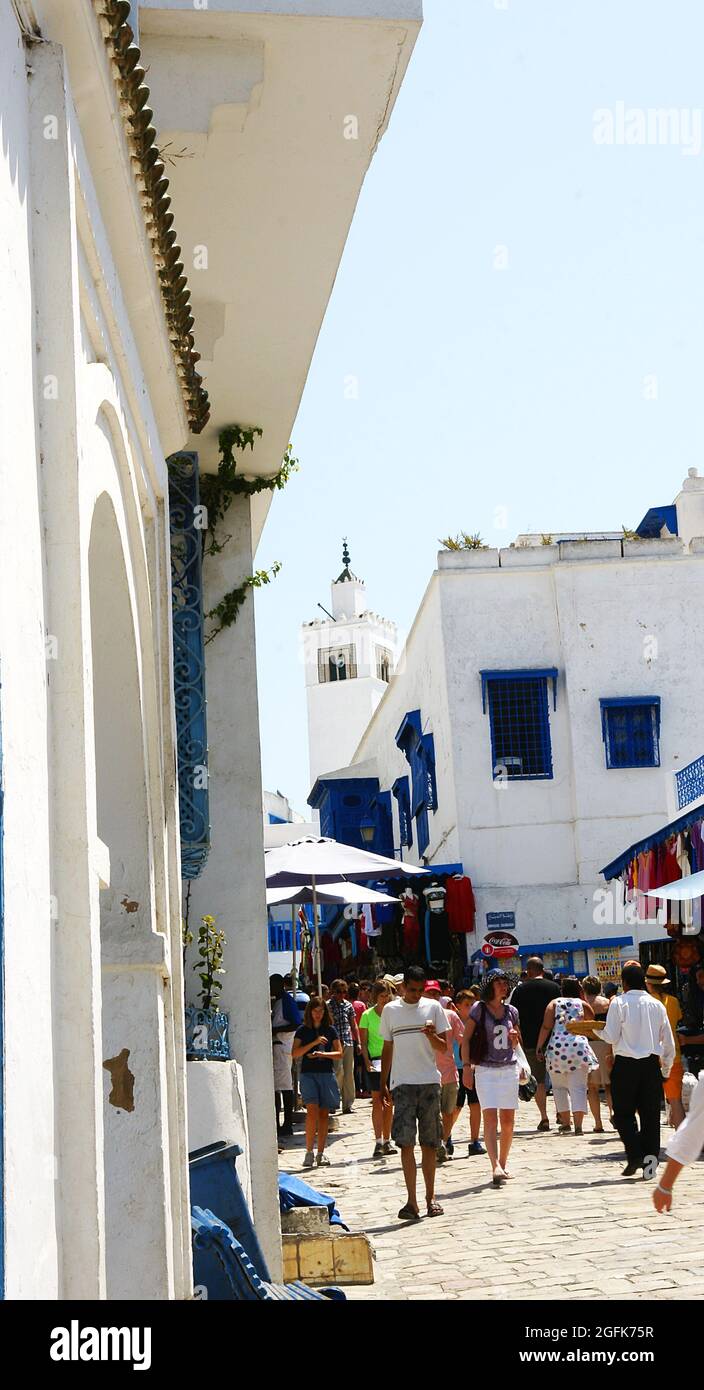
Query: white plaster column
30, 1228
74, 881
231, 886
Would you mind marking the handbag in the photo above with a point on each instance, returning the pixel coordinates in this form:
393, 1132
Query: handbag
479, 1043
528, 1084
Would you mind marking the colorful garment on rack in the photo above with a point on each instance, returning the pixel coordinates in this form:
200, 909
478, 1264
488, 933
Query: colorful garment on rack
411, 925
459, 903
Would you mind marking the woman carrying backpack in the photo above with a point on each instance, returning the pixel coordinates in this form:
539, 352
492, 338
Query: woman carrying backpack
491, 1037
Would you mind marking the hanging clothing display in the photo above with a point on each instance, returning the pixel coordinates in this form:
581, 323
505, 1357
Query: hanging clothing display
459, 901
437, 936
371, 929
435, 896
410, 924
458, 958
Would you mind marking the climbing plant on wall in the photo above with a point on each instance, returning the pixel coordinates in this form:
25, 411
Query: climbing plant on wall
217, 492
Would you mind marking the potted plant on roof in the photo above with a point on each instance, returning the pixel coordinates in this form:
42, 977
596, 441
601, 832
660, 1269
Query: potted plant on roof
206, 1025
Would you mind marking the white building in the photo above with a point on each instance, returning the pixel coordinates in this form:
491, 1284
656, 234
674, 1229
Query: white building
175, 181
349, 658
545, 695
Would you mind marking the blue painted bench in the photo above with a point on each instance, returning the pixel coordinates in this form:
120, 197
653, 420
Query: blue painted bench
210, 1233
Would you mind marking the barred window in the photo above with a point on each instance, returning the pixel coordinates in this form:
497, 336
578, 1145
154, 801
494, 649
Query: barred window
520, 726
384, 664
337, 664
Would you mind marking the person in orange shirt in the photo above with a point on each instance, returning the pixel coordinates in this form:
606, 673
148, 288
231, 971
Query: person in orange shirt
655, 982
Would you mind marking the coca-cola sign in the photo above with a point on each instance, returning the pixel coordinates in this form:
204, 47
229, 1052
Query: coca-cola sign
500, 943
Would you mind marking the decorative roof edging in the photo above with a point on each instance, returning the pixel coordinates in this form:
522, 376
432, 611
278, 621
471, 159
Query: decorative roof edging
153, 186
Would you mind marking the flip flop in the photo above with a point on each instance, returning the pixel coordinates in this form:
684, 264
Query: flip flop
408, 1213
435, 1209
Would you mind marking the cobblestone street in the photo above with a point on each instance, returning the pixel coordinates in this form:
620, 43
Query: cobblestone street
567, 1226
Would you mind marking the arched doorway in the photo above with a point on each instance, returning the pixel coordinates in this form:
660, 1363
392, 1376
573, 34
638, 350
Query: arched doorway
137, 1207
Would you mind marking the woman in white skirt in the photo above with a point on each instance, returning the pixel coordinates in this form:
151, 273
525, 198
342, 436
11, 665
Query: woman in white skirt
491, 1037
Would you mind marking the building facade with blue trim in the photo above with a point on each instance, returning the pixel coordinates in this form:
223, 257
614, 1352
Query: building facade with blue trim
545, 694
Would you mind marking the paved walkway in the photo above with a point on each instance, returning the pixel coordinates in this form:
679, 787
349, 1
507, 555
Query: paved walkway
567, 1225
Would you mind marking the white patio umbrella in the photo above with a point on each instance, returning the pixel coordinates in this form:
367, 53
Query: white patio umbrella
329, 893
681, 891
323, 861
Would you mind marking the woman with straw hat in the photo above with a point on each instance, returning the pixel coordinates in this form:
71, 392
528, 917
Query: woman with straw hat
655, 982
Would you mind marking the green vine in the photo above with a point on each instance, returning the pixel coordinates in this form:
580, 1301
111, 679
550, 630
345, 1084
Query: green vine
226, 611
217, 491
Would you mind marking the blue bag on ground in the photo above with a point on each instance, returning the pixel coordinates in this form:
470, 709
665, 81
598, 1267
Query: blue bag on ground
295, 1193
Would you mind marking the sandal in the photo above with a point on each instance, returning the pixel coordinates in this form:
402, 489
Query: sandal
434, 1209
408, 1213
543, 1127
599, 1130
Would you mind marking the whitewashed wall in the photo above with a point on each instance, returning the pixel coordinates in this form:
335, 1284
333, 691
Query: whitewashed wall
96, 1195
31, 1212
537, 847
419, 683
231, 887
615, 621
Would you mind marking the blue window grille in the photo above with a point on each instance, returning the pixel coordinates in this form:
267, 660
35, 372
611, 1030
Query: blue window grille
402, 792
189, 662
431, 786
519, 722
631, 731
690, 782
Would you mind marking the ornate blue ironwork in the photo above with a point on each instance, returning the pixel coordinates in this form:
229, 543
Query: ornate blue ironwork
189, 661
206, 1034
690, 782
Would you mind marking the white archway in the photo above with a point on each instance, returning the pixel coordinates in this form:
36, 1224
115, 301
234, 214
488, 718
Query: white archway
137, 1222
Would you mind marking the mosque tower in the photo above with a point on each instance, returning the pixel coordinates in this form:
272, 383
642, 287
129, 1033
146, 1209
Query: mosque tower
350, 657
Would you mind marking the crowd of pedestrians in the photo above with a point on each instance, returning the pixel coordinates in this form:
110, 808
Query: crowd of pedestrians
422, 1052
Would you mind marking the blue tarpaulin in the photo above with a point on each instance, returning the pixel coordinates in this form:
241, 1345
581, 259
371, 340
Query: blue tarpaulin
295, 1193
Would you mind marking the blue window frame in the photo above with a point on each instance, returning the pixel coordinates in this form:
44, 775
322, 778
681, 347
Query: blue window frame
630, 729
402, 792
519, 722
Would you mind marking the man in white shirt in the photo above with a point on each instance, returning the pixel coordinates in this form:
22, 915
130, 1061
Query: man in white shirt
643, 1049
414, 1030
685, 1147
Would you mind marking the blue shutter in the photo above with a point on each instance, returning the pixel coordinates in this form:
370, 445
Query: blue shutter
631, 731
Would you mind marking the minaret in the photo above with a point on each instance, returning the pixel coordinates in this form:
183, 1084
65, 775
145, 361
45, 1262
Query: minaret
350, 658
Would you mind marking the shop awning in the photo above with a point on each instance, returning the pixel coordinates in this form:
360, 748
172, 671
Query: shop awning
591, 942
547, 946
617, 866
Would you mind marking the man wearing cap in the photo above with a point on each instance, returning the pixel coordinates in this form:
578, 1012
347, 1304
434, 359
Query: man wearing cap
640, 1037
655, 982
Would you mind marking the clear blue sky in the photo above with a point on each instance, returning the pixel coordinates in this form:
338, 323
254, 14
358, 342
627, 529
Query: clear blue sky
481, 388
